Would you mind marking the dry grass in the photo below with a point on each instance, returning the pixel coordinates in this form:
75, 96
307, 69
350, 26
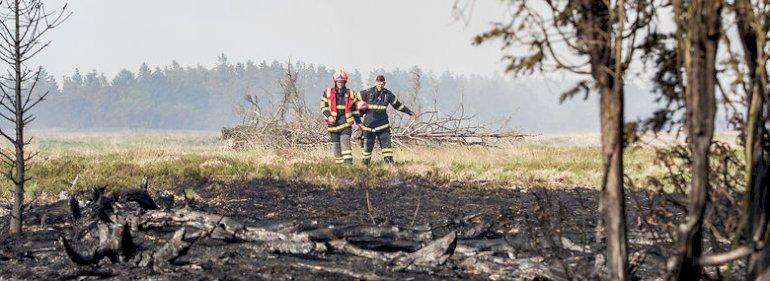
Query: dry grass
176, 159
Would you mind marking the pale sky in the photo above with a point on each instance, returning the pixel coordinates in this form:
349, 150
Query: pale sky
108, 35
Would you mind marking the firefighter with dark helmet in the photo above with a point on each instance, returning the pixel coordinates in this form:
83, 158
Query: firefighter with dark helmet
338, 105
376, 125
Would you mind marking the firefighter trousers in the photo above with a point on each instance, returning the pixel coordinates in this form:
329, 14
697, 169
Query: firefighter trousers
343, 153
383, 137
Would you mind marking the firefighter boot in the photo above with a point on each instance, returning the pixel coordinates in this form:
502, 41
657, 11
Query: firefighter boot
367, 153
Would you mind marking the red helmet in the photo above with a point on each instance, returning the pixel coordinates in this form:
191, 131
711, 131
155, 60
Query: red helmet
340, 75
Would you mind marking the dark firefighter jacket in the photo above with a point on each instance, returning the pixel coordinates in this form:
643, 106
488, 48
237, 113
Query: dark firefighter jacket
376, 118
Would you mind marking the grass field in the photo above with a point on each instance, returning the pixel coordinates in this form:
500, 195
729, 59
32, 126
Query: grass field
176, 159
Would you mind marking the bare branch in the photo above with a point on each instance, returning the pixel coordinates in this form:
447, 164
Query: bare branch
723, 258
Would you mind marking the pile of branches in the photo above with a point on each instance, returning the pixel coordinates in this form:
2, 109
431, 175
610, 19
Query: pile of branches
433, 128
293, 124
286, 126
274, 135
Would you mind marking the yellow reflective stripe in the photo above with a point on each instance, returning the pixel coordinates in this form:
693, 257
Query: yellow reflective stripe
376, 129
356, 113
347, 152
366, 153
338, 128
387, 150
400, 107
378, 107
340, 107
382, 127
324, 99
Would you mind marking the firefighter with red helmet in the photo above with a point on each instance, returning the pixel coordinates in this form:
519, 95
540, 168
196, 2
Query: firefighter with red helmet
338, 105
375, 124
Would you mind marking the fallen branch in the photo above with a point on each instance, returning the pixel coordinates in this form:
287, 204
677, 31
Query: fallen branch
434, 254
341, 246
342, 271
723, 258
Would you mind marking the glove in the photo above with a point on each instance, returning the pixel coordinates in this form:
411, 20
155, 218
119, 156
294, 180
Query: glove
329, 120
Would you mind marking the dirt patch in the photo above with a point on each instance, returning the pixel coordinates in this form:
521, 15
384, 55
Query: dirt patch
264, 201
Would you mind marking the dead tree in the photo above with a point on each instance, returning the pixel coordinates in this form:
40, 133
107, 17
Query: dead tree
250, 112
24, 23
292, 99
601, 37
699, 30
415, 89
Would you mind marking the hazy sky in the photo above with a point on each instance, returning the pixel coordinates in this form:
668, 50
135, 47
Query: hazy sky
108, 35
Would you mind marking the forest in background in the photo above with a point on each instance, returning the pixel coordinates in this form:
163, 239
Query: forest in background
176, 97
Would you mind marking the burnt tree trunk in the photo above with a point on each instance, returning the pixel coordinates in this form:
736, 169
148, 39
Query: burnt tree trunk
18, 177
606, 69
612, 195
699, 48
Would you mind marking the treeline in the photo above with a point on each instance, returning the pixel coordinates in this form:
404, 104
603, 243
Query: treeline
201, 98
205, 98
169, 97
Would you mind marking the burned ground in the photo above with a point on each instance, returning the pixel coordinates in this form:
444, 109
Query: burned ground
501, 233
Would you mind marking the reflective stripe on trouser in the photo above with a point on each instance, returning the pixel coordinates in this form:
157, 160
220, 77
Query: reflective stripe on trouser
339, 128
342, 150
384, 139
376, 129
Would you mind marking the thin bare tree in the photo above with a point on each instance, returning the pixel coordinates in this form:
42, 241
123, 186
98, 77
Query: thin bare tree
292, 98
23, 25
